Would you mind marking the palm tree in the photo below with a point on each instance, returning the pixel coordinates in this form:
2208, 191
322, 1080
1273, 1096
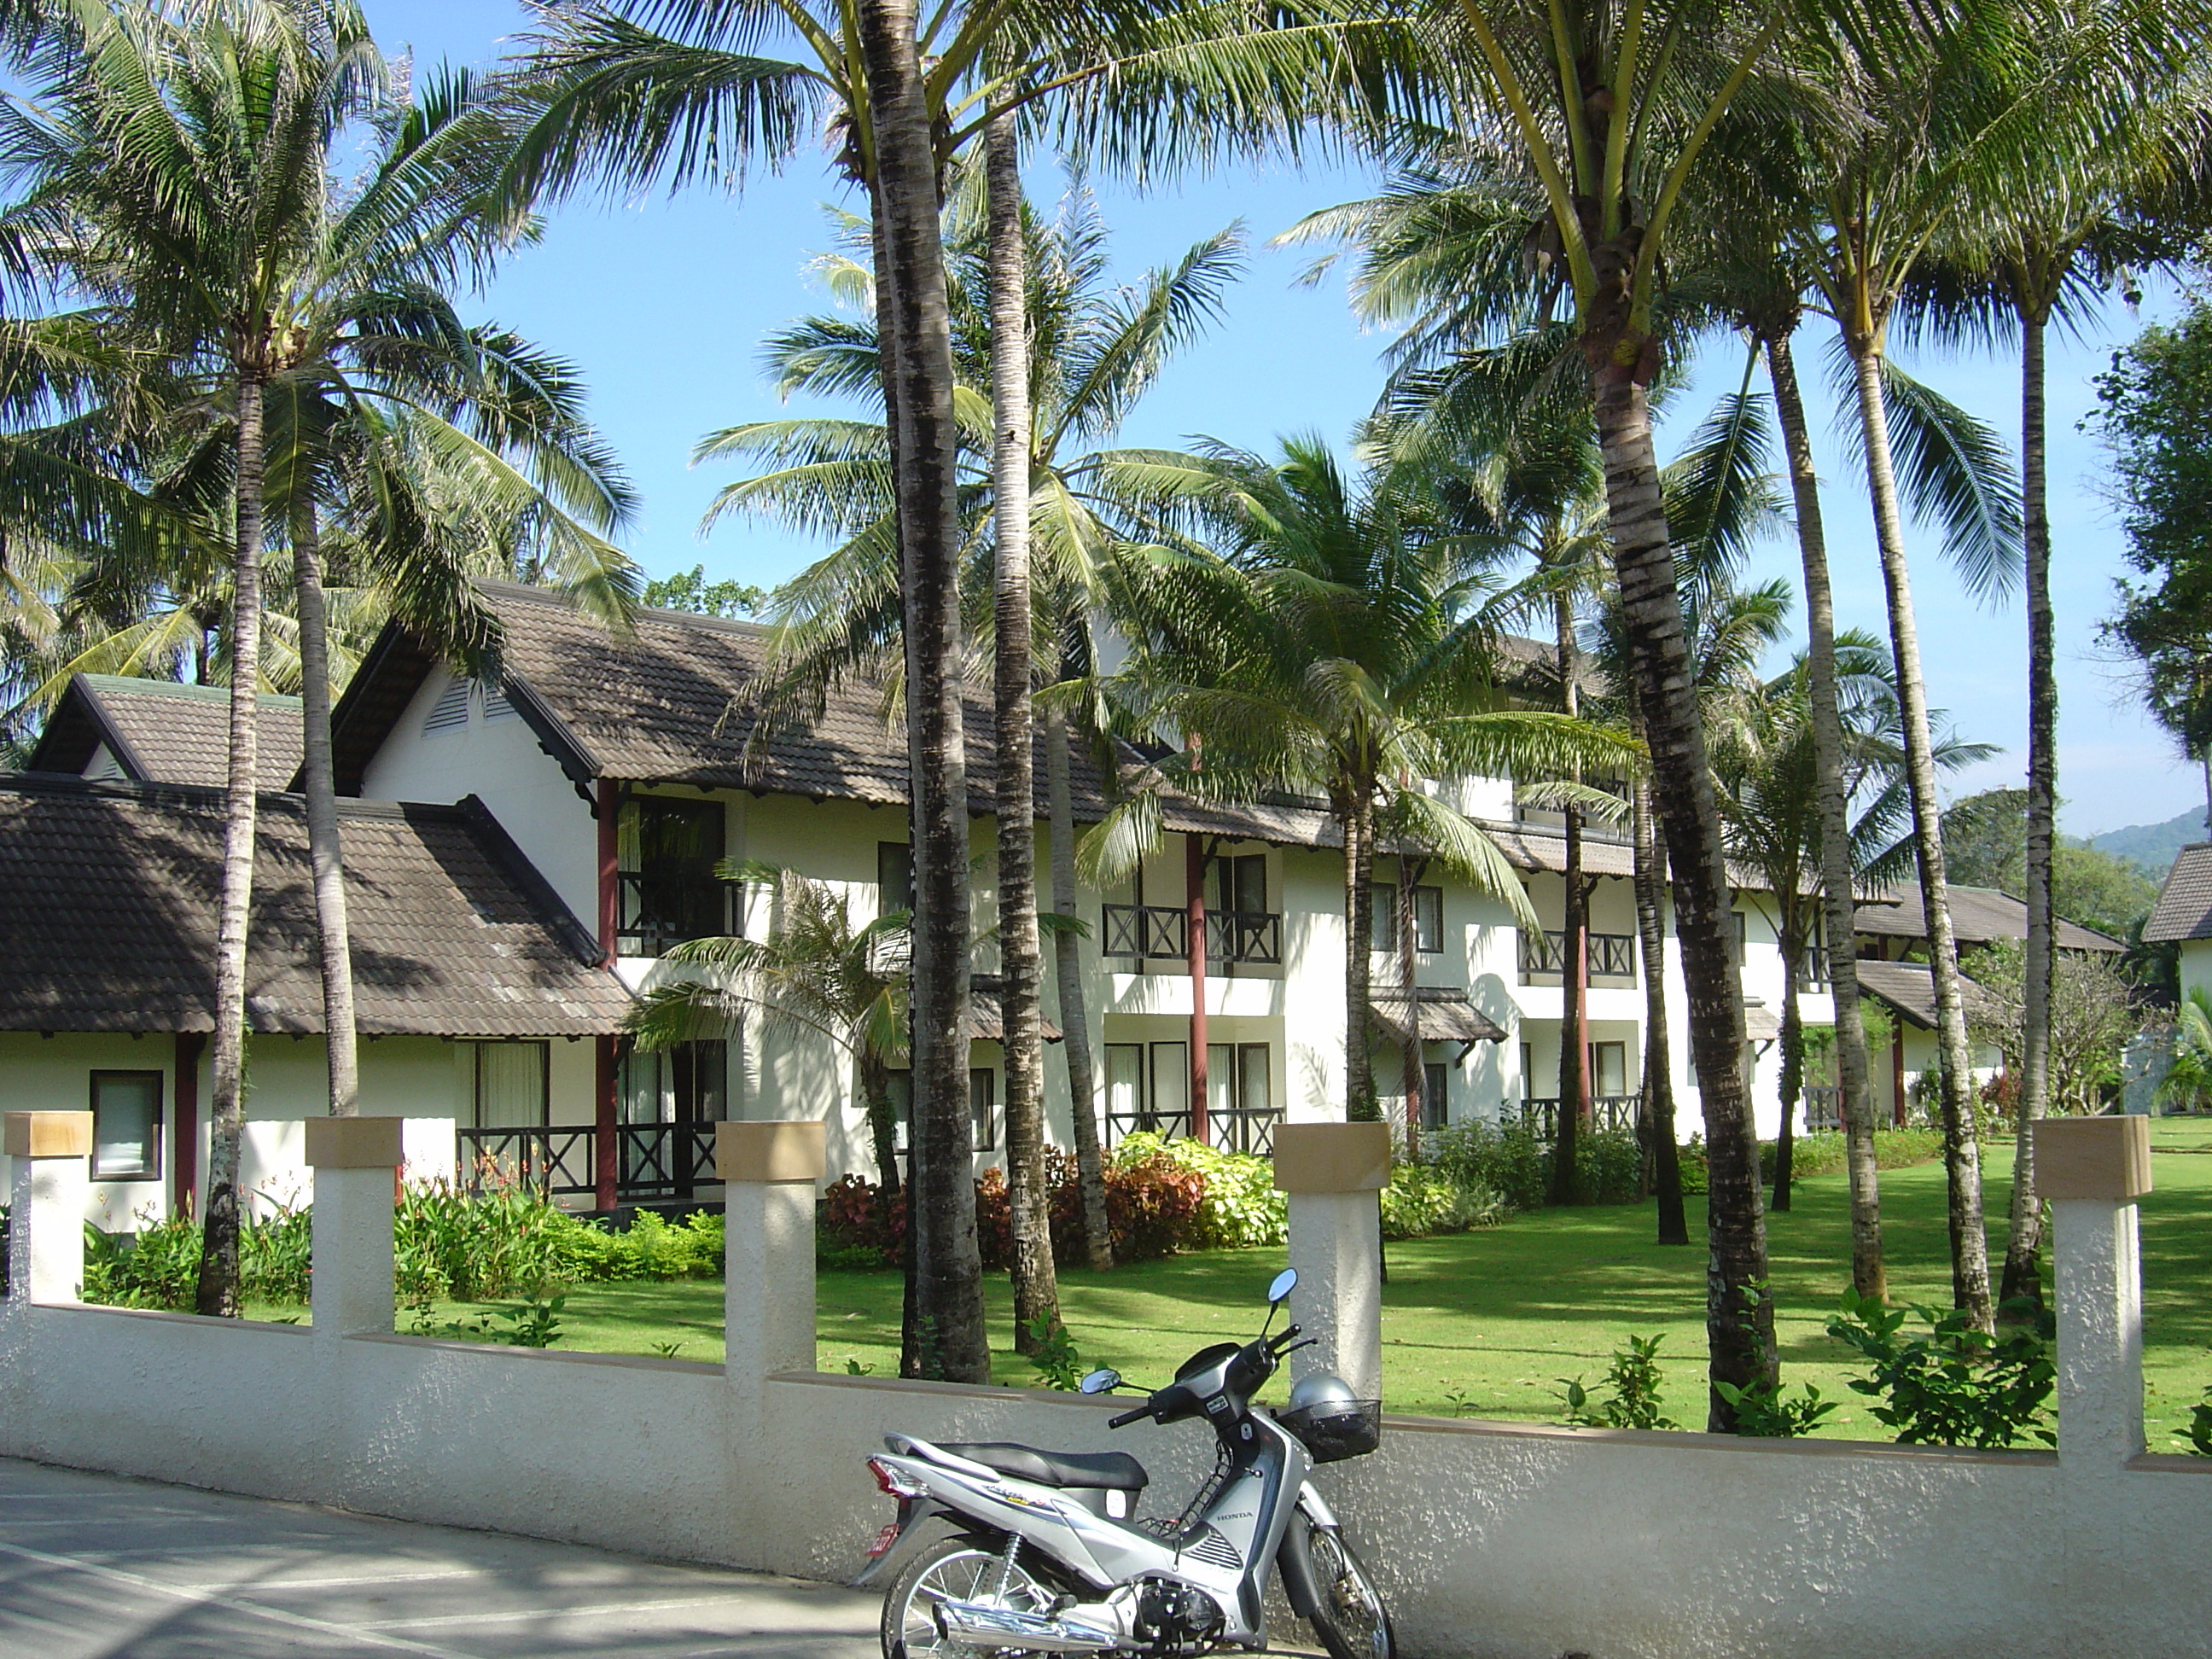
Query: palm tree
1097, 351
1767, 761
180, 163
813, 973
1332, 648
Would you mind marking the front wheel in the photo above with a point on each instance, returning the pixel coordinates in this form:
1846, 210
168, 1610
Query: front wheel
954, 1570
1348, 1612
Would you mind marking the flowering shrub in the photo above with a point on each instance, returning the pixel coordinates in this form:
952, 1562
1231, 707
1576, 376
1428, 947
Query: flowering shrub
1240, 1208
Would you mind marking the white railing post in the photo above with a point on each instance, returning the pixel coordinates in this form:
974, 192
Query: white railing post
52, 1176
1333, 1173
354, 1159
2093, 1170
769, 1171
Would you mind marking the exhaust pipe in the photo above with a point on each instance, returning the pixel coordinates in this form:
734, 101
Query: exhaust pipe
978, 1626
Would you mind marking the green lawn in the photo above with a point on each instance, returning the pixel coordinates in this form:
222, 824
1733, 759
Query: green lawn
1485, 1323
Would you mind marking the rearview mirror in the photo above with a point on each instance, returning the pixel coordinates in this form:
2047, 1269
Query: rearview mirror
1101, 1382
1279, 1291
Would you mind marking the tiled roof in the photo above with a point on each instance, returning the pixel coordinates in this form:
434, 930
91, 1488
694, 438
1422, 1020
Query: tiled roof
1447, 1014
107, 904
1979, 914
160, 732
2183, 910
1910, 988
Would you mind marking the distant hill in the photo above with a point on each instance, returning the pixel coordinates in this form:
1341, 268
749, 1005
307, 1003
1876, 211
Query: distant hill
2152, 846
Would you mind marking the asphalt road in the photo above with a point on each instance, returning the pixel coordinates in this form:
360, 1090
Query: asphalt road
93, 1566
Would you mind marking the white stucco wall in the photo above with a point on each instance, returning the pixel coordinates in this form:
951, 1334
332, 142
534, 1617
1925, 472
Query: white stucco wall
500, 761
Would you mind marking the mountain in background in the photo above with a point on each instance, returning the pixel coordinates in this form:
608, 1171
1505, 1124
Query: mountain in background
2151, 846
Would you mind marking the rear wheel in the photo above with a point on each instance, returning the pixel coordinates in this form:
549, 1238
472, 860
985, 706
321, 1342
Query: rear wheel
953, 1571
1348, 1612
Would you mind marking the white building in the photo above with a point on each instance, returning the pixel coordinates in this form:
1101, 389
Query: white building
623, 769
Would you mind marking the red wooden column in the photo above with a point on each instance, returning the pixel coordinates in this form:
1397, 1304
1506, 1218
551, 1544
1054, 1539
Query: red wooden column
1194, 928
185, 1125
603, 1163
1580, 946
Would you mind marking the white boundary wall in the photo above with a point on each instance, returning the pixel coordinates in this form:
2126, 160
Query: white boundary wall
1490, 1539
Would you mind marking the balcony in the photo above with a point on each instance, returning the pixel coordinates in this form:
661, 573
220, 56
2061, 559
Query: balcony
1612, 955
1609, 1114
653, 912
1162, 932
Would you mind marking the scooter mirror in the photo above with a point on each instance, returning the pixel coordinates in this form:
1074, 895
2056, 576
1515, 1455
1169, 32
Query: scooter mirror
1285, 1282
1101, 1382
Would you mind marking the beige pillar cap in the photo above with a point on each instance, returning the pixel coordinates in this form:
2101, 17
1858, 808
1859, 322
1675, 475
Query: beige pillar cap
1332, 1157
787, 1152
2106, 1158
355, 1143
49, 1134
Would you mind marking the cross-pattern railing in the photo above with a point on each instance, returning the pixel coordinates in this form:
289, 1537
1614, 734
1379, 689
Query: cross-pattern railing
1612, 955
1162, 932
655, 912
1233, 1129
651, 1160
1609, 1113
1824, 1107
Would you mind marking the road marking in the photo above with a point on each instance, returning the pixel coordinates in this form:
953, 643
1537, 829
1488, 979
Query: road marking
231, 1603
270, 1586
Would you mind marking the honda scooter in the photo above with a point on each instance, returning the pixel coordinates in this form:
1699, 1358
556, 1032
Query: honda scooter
1045, 1555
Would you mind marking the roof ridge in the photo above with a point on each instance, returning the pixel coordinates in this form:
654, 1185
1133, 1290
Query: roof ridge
699, 619
288, 802
146, 685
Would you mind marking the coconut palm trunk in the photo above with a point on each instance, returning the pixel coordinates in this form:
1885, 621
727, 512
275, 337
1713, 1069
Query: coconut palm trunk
1658, 1105
1839, 892
1357, 818
217, 1291
1410, 871
2024, 1239
1793, 1054
1739, 1327
1574, 954
1021, 963
948, 1326
325, 847
1969, 1266
1075, 1019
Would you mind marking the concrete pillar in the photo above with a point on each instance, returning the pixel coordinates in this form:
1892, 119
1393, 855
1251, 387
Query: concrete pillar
354, 1159
1331, 1172
769, 1171
2093, 1170
46, 1236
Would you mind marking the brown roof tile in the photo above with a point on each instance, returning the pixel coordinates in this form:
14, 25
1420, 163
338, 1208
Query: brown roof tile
108, 897
160, 732
2183, 910
1910, 988
1979, 914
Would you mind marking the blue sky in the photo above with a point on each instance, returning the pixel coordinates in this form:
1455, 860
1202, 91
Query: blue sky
663, 302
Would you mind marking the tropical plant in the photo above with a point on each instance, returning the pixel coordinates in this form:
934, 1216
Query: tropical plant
1634, 1376
1955, 1384
816, 971
1332, 647
2188, 1081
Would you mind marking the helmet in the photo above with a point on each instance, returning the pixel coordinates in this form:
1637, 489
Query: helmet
1323, 1394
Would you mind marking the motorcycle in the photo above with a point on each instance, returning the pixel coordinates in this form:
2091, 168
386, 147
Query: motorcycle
1045, 1555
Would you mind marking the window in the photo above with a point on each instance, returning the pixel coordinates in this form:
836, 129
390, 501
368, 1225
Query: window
898, 1088
1238, 884
1436, 1079
509, 1084
126, 1126
894, 877
450, 711
666, 851
1609, 1068
1170, 1106
1125, 1083
1428, 918
1527, 1072
1743, 924
983, 1107
688, 1084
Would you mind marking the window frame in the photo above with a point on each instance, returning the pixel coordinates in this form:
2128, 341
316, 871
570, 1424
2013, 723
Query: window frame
890, 854
1382, 918
149, 1166
984, 1126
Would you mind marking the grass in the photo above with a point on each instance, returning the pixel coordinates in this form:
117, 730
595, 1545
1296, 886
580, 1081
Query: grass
1486, 1324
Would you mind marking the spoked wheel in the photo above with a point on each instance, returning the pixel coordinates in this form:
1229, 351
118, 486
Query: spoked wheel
953, 1571
1348, 1616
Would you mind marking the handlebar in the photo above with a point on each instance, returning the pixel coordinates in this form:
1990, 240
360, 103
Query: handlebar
1122, 1419
1281, 1344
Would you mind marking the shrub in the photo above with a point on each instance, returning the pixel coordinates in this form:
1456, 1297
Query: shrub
1423, 1200
1953, 1386
1824, 1153
2197, 1436
1152, 1204
159, 1267
1241, 1207
1512, 1164
1634, 1376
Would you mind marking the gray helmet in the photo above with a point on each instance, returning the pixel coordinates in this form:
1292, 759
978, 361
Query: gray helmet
1324, 1395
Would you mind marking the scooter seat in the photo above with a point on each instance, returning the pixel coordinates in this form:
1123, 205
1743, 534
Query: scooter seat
1113, 1471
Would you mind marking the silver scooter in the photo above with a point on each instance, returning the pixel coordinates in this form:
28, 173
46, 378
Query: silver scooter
1045, 1554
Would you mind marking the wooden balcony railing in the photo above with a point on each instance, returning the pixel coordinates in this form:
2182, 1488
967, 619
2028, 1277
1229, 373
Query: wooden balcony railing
1609, 1113
652, 1161
1162, 932
1612, 955
1233, 1129
655, 912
